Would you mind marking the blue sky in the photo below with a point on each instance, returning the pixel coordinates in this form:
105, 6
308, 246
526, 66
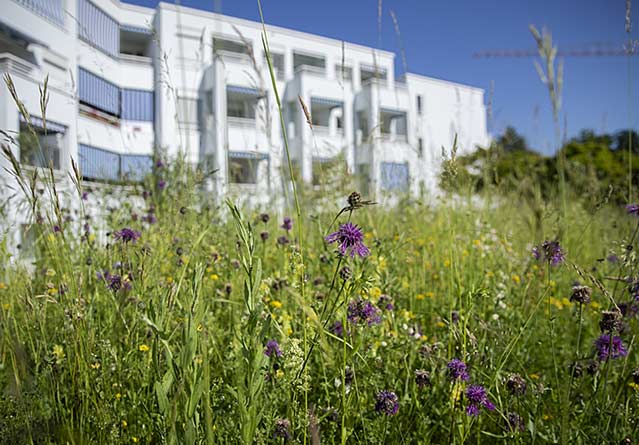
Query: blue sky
440, 38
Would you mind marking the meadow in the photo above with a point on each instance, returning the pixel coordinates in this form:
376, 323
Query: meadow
497, 313
463, 321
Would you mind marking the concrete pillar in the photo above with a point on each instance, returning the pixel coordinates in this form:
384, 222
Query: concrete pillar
375, 146
220, 130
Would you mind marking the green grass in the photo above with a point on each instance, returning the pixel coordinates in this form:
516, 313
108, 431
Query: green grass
178, 357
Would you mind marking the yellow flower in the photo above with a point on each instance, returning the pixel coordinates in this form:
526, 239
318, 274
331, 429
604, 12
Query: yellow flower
124, 424
51, 237
214, 277
118, 396
58, 352
279, 374
375, 292
276, 304
95, 365
534, 376
135, 439
169, 280
143, 348
446, 263
430, 294
634, 386
516, 278
440, 324
419, 297
546, 417
2, 285
6, 306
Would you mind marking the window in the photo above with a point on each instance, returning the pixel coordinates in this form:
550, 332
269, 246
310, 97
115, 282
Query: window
135, 41
241, 101
278, 65
419, 104
98, 92
98, 28
99, 164
394, 176
40, 146
420, 147
229, 46
243, 167
343, 72
300, 60
187, 111
51, 10
137, 105
368, 72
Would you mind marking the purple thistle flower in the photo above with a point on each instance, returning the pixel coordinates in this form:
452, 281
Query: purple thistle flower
549, 251
282, 240
272, 347
607, 348
350, 239
127, 235
363, 311
458, 370
387, 403
150, 218
287, 224
633, 209
477, 398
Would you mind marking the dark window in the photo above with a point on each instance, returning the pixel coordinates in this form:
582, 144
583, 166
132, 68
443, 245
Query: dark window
243, 170
420, 147
419, 104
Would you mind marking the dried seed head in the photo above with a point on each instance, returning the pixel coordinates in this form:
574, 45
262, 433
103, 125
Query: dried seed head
610, 321
581, 294
516, 385
306, 113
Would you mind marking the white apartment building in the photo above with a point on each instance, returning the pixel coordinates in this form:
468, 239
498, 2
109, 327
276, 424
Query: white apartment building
128, 84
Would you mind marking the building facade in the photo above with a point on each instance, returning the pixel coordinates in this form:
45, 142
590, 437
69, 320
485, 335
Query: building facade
128, 83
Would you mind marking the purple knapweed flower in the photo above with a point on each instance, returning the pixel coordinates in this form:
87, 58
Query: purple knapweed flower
272, 348
287, 224
85, 196
127, 235
609, 348
477, 398
159, 163
457, 370
633, 209
161, 184
549, 251
387, 403
363, 311
116, 282
282, 240
350, 239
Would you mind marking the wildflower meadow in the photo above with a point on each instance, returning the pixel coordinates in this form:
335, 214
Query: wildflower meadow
483, 314
191, 322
